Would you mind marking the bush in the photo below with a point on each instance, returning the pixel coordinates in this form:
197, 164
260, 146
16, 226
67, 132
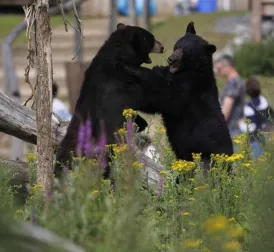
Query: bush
255, 59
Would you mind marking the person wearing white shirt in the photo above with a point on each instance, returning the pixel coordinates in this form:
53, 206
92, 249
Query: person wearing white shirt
59, 106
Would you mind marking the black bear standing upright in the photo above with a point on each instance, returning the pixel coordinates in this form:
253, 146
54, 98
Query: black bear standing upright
192, 114
201, 127
107, 89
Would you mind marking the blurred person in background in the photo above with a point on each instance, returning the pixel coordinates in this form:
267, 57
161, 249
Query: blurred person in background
259, 114
183, 7
58, 106
232, 98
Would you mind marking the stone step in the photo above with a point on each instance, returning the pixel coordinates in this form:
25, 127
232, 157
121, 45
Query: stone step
60, 50
95, 34
25, 91
57, 60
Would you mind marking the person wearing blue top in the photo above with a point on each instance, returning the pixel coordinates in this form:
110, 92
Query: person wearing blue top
259, 114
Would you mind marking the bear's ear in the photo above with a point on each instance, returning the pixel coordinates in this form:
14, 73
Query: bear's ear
120, 26
190, 28
211, 48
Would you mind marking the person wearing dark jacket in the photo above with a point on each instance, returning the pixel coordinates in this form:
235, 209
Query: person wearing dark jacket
259, 114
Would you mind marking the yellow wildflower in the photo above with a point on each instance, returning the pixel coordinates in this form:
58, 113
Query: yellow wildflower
93, 162
232, 246
196, 156
239, 138
215, 224
122, 131
185, 214
182, 165
237, 196
167, 149
236, 141
31, 157
166, 186
95, 192
232, 219
119, 149
191, 179
106, 181
129, 113
19, 211
247, 164
200, 188
138, 165
236, 232
158, 212
213, 169
270, 177
163, 172
261, 159
191, 199
234, 157
160, 129
36, 187
80, 159
192, 243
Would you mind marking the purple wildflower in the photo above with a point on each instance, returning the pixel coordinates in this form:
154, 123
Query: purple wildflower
87, 144
80, 140
102, 143
103, 161
160, 188
51, 190
130, 128
65, 170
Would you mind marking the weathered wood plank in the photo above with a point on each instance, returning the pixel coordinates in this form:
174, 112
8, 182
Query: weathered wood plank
19, 121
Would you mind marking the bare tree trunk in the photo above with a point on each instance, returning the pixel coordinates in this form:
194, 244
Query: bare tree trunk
113, 16
43, 96
256, 20
132, 13
146, 15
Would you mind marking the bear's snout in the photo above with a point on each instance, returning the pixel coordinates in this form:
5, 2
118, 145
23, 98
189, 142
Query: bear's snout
157, 48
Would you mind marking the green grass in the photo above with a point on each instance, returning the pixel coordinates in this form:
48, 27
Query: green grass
174, 28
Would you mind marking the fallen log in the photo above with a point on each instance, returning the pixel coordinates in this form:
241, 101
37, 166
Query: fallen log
19, 236
19, 121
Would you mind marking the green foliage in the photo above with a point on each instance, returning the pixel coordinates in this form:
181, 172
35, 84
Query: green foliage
261, 211
205, 212
257, 59
7, 191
